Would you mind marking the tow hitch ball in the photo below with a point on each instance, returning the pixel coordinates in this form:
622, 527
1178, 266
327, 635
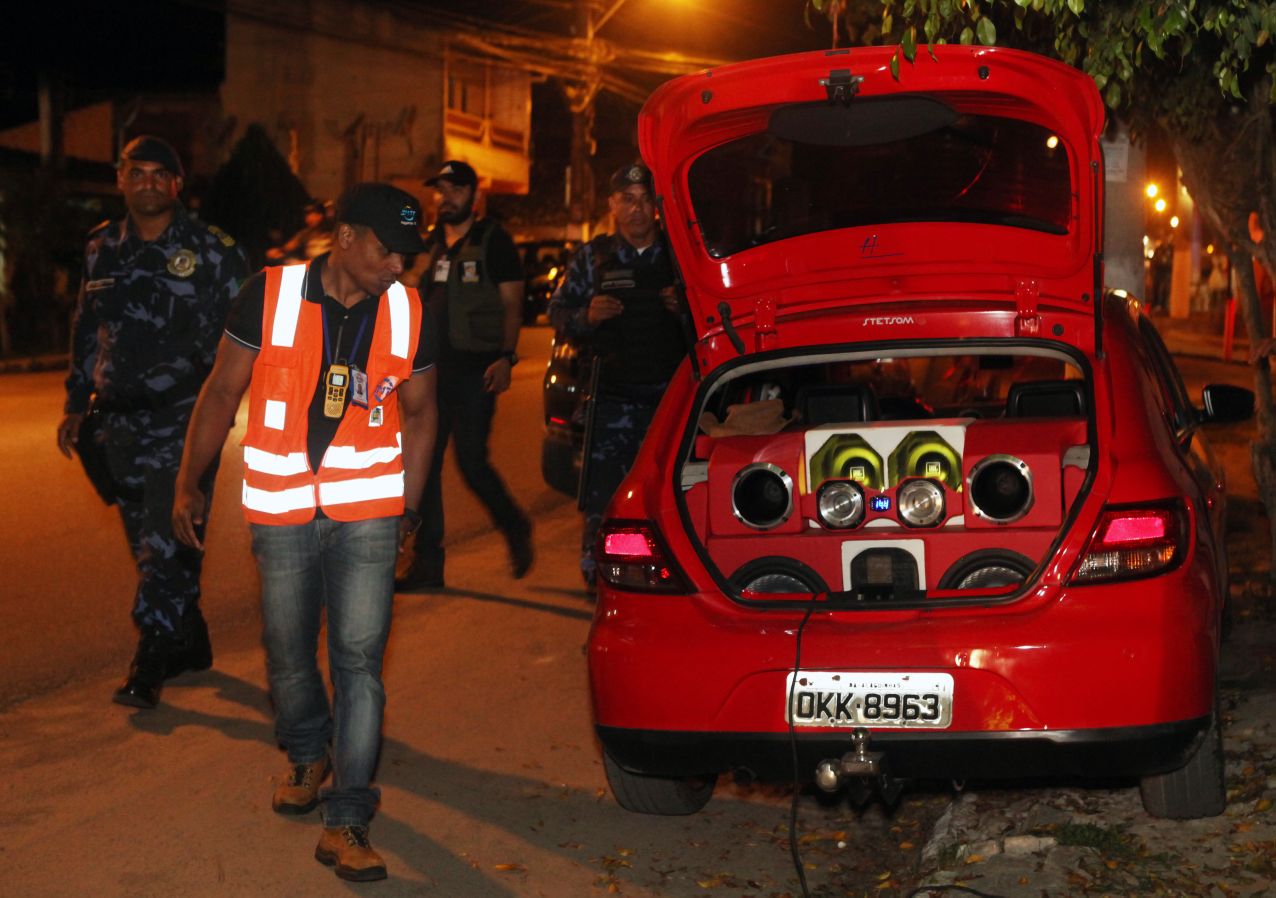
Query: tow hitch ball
858, 765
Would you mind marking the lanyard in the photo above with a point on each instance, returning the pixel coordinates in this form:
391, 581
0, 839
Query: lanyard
354, 347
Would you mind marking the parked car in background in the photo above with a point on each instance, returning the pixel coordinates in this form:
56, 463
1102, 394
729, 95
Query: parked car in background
544, 264
926, 500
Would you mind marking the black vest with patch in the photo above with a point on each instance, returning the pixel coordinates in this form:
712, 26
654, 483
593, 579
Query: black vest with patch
645, 344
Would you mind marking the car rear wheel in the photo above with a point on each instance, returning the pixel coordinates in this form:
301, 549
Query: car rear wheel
665, 796
1196, 789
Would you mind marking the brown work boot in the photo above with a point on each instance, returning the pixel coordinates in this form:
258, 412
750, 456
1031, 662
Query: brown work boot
347, 848
299, 791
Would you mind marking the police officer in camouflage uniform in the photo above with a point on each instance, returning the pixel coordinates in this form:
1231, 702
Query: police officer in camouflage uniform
617, 302
157, 286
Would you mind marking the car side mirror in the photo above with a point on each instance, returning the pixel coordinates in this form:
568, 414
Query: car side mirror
1225, 404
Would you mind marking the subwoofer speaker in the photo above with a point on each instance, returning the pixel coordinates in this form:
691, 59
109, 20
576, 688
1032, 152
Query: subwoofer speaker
1000, 488
777, 575
987, 569
762, 496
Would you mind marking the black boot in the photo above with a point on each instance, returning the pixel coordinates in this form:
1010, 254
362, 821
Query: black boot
519, 540
196, 652
141, 688
425, 573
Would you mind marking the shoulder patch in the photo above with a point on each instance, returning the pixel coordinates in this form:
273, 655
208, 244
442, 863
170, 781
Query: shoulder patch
221, 235
98, 228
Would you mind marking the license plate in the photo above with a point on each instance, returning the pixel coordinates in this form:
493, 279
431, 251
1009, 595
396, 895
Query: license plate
878, 700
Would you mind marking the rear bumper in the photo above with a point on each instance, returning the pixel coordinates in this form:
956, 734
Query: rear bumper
1124, 751
1102, 680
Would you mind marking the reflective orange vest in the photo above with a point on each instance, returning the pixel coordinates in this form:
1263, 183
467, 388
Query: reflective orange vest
361, 474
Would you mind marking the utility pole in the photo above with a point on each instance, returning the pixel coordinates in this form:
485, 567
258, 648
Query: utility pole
585, 65
580, 100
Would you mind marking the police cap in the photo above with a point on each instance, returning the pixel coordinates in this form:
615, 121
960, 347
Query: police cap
149, 148
394, 215
628, 175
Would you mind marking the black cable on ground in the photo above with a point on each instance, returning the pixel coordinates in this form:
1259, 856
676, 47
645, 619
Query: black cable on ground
794, 851
967, 890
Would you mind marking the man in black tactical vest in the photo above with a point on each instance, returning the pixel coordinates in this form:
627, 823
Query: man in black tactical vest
618, 303
473, 285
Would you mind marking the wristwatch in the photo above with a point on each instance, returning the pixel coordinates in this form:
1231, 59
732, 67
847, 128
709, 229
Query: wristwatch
510, 356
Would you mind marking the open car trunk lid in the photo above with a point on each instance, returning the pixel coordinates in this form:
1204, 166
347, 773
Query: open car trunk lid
801, 185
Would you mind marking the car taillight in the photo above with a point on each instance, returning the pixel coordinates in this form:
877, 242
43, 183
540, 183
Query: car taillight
1134, 542
631, 556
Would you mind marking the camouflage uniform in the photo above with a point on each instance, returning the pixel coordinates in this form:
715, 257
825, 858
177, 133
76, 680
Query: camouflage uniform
146, 330
636, 363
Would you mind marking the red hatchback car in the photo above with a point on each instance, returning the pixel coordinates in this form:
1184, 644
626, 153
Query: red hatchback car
926, 500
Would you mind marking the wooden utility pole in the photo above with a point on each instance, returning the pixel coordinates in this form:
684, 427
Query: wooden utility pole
580, 100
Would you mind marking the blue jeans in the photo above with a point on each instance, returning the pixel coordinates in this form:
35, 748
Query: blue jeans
347, 568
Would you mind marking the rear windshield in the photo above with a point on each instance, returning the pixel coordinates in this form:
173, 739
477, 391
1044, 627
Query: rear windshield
913, 388
984, 169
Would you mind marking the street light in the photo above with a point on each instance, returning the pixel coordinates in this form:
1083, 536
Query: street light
1152, 190
1159, 205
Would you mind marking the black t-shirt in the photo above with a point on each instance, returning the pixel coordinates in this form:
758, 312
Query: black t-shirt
349, 332
503, 265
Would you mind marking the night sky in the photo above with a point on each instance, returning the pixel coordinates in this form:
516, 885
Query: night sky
102, 49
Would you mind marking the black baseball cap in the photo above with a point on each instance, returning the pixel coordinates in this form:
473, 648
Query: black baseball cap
394, 215
460, 173
148, 148
628, 175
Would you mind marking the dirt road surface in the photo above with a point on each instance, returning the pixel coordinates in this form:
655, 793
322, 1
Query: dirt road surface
492, 784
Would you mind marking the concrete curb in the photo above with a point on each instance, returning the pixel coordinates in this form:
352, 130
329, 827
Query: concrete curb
33, 363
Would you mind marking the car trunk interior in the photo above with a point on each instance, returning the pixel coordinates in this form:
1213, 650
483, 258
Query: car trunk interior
943, 473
